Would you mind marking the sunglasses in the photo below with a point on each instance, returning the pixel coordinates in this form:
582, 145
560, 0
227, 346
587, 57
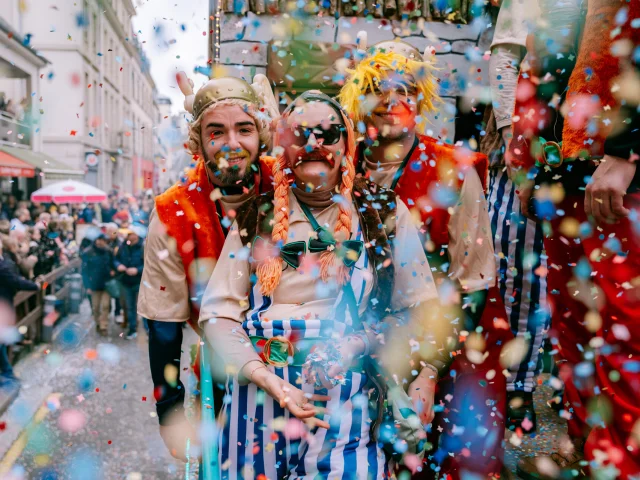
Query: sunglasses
329, 136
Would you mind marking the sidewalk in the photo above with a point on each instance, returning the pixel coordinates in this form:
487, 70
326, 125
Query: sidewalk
86, 410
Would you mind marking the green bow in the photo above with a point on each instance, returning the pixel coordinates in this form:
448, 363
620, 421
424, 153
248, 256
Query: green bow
290, 252
349, 250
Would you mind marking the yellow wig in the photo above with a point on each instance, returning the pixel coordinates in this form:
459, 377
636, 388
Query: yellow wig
365, 79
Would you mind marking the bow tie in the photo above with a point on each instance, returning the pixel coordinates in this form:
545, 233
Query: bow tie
290, 253
349, 250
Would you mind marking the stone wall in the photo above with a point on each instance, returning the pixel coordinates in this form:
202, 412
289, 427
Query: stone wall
461, 51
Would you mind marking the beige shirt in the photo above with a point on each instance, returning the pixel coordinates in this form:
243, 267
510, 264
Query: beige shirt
471, 253
164, 292
301, 294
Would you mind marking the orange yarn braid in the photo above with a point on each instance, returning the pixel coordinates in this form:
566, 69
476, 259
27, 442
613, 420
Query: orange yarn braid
342, 230
269, 271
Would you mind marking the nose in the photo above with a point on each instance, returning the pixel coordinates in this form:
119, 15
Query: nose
312, 141
392, 97
233, 141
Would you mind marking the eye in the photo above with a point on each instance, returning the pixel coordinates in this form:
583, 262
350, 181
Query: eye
215, 133
246, 131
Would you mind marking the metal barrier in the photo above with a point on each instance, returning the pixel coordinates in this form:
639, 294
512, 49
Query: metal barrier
30, 306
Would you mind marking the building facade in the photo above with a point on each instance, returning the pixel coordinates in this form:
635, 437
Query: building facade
24, 164
98, 108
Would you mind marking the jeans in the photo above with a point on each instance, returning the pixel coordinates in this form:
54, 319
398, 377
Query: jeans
8, 380
5, 366
131, 306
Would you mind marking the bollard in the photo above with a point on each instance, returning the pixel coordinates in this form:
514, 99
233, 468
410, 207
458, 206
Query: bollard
53, 310
49, 317
75, 292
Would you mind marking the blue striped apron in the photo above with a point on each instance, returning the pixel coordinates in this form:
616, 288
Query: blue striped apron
261, 438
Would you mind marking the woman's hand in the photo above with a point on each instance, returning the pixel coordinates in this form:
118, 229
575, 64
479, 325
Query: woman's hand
348, 350
289, 396
422, 391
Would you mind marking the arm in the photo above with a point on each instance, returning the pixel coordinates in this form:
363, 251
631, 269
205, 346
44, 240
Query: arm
414, 303
165, 348
118, 258
616, 175
504, 66
164, 294
626, 140
164, 300
224, 304
425, 332
9, 277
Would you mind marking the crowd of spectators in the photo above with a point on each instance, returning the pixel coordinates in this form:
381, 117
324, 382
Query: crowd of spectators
37, 238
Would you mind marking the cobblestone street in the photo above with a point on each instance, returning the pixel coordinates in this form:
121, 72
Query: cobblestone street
86, 410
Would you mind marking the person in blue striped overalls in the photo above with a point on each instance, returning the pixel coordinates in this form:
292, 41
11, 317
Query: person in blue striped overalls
299, 269
517, 240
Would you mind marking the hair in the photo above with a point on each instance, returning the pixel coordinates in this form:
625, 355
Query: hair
21, 211
269, 271
194, 144
368, 73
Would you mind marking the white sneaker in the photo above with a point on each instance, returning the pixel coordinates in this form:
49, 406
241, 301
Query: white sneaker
119, 319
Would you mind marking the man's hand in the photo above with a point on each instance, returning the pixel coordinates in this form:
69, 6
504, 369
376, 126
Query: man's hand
122, 268
422, 391
605, 193
132, 271
175, 439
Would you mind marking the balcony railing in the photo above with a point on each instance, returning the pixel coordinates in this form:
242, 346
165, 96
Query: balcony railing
14, 133
460, 11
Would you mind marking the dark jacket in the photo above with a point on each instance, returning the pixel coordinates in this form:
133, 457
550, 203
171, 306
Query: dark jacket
97, 265
46, 263
107, 214
11, 281
130, 256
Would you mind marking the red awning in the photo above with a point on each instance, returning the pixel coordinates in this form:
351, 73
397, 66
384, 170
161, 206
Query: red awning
11, 166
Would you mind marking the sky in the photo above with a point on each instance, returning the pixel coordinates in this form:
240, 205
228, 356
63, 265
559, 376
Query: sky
173, 34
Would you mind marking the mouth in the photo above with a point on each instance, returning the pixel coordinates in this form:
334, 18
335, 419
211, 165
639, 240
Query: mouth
328, 159
235, 161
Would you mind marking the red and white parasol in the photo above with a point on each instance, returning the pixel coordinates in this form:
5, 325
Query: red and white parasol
69, 191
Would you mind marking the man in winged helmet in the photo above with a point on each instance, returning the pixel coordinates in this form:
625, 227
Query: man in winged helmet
229, 132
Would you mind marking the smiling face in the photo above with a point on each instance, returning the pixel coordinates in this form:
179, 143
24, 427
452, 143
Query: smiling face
230, 144
313, 139
394, 117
